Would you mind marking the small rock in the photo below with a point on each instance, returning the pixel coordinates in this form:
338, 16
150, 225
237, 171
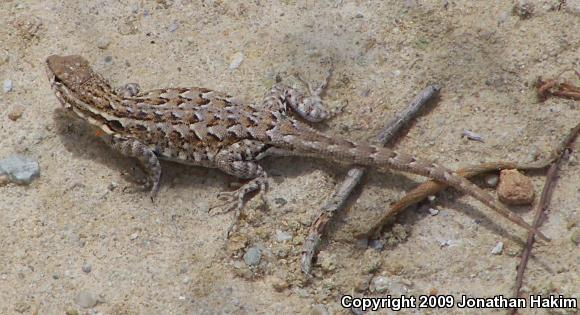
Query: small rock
186, 280
362, 285
71, 311
280, 201
394, 286
134, 236
109, 59
252, 256
282, 236
56, 276
86, 299
497, 249
515, 188
491, 180
87, 268
103, 43
472, 136
7, 86
377, 244
236, 60
279, 284
359, 15
380, 284
433, 211
113, 185
19, 169
16, 113
21, 307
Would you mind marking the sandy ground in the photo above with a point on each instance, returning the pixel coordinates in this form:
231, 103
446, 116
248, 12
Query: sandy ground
171, 257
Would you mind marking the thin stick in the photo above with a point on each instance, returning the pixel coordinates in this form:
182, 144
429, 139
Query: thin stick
542, 208
344, 189
431, 187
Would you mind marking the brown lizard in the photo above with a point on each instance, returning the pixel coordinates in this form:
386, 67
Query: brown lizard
199, 126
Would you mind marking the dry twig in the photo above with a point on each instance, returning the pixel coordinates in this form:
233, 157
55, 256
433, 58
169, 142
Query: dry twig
344, 189
542, 207
556, 88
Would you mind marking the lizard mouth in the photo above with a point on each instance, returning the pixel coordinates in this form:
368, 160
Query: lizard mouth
57, 86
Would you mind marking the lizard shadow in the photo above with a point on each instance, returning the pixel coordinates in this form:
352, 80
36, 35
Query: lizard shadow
415, 214
81, 140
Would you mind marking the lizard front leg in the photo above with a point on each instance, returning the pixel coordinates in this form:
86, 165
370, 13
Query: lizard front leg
239, 159
147, 158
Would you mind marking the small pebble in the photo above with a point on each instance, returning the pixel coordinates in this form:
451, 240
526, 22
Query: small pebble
108, 59
472, 136
134, 236
359, 15
491, 180
86, 299
113, 185
279, 284
431, 198
282, 236
103, 43
497, 249
236, 60
252, 256
280, 201
380, 284
433, 211
19, 169
515, 188
56, 275
72, 311
87, 268
16, 113
7, 86
377, 244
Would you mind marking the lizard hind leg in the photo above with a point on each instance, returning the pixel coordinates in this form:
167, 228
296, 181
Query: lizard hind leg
239, 160
309, 107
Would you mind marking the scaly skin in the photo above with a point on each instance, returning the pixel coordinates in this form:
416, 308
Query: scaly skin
198, 126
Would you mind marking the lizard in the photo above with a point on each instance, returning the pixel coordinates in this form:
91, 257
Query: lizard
204, 127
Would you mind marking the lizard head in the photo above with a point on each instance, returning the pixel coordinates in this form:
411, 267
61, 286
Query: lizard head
67, 75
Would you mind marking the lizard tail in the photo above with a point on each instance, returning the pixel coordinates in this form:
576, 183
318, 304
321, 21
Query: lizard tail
316, 144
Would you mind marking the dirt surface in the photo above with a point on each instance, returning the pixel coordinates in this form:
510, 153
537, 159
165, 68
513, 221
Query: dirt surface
74, 236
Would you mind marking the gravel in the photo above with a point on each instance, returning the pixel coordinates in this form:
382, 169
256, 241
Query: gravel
497, 249
87, 268
252, 256
7, 86
236, 60
282, 236
19, 169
